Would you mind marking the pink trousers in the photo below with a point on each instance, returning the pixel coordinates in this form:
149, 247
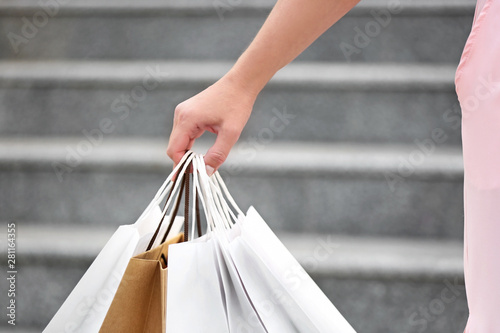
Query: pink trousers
478, 87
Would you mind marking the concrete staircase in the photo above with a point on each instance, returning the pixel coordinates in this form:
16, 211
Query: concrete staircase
366, 158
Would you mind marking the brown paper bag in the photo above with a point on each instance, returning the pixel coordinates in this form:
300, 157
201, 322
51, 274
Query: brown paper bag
139, 305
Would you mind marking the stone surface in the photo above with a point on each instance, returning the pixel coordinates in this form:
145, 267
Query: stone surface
398, 307
397, 250
363, 277
361, 103
432, 32
351, 193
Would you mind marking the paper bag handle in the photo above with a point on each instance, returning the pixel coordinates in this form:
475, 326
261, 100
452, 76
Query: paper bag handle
174, 210
185, 185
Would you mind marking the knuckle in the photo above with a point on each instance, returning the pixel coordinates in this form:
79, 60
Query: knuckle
170, 152
232, 132
178, 110
218, 157
182, 113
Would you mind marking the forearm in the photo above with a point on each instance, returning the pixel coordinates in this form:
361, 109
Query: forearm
290, 28
224, 107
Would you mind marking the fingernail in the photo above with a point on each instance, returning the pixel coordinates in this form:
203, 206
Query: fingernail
210, 170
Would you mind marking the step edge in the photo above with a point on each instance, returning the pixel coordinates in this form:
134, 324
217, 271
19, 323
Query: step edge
179, 74
285, 159
261, 8
346, 256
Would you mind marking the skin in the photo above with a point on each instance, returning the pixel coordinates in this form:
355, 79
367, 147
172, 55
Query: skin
224, 107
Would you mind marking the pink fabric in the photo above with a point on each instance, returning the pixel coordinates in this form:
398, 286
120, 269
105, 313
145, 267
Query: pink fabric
479, 6
478, 87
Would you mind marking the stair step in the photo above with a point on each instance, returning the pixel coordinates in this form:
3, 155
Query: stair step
22, 329
201, 7
420, 31
382, 103
345, 256
334, 188
276, 159
308, 75
398, 275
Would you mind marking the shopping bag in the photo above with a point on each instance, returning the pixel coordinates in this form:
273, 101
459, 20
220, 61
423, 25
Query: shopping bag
202, 280
85, 308
276, 309
285, 297
276, 281
194, 298
139, 303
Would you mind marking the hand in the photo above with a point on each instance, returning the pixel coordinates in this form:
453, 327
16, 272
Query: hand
223, 109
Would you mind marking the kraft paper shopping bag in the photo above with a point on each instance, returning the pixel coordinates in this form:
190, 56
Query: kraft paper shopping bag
140, 301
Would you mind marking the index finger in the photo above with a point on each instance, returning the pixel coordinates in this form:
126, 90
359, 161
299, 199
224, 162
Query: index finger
178, 144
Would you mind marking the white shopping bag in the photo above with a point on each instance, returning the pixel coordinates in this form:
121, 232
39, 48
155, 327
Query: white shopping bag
276, 308
272, 276
85, 308
284, 295
241, 313
205, 293
194, 298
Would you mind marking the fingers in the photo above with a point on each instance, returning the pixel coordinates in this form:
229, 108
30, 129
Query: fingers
217, 154
185, 130
178, 144
216, 109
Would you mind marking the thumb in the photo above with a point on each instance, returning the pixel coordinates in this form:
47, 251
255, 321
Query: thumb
218, 153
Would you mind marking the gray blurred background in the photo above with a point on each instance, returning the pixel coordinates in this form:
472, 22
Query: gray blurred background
352, 154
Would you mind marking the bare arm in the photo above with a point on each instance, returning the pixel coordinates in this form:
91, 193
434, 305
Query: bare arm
224, 107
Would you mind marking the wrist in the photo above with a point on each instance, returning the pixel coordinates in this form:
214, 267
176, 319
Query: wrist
248, 82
